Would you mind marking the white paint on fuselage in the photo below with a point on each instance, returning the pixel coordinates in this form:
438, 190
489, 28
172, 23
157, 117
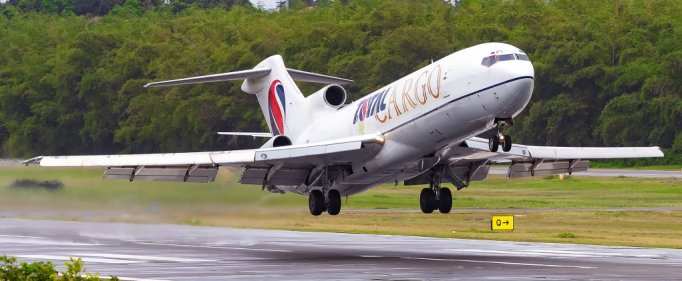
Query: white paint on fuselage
440, 104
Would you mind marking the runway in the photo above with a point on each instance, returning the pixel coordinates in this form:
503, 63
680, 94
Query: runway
174, 252
611, 173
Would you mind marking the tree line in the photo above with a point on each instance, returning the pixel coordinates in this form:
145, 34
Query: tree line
71, 75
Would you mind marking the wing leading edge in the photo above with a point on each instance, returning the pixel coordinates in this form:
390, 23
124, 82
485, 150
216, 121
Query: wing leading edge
203, 166
530, 160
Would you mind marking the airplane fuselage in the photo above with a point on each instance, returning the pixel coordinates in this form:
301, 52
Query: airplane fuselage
441, 104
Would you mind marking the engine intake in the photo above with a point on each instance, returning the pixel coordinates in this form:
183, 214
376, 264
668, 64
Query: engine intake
277, 141
334, 95
281, 141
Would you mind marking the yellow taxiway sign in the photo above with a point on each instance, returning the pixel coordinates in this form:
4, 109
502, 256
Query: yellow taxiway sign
502, 223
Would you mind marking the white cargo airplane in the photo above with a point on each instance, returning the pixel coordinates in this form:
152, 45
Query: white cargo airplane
420, 130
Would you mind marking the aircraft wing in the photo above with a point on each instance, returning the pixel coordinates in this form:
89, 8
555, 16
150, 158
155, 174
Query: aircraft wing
287, 163
530, 160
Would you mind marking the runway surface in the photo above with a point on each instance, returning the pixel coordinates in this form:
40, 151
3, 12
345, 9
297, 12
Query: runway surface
611, 173
173, 252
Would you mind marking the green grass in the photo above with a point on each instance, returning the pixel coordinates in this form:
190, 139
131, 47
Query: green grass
386, 210
85, 189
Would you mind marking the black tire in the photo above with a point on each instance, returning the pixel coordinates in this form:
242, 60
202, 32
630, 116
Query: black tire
507, 145
334, 203
493, 143
427, 201
445, 202
316, 203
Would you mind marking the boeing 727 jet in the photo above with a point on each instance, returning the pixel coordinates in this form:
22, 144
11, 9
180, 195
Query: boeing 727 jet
420, 130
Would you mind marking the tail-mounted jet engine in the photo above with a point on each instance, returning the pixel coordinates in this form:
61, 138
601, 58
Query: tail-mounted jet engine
332, 95
277, 141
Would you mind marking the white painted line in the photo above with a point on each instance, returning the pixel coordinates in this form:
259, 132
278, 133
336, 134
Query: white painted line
519, 253
504, 263
86, 259
596, 254
137, 279
41, 241
555, 253
140, 257
21, 236
212, 247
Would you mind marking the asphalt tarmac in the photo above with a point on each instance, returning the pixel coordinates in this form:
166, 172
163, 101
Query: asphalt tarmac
175, 252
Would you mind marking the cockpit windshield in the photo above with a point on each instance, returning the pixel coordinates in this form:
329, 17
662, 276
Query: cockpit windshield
492, 59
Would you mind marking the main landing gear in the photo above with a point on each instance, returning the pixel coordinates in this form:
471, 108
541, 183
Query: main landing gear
318, 202
500, 138
436, 197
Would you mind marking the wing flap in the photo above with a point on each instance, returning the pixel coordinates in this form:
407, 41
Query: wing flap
171, 174
529, 169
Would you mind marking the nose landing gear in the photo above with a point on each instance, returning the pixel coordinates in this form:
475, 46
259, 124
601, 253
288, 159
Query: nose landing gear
500, 138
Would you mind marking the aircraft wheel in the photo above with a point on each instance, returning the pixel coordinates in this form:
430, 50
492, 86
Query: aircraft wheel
427, 200
445, 202
334, 204
493, 143
507, 145
316, 203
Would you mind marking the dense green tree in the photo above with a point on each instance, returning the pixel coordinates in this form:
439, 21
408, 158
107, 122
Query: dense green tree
71, 71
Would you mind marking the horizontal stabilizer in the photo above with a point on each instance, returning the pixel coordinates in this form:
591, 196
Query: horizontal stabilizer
255, 135
229, 76
296, 75
304, 76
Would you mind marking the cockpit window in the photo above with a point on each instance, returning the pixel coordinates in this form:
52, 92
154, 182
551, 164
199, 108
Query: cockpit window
506, 57
522, 57
486, 61
492, 59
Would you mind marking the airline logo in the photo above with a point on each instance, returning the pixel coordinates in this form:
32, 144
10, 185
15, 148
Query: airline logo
397, 99
277, 107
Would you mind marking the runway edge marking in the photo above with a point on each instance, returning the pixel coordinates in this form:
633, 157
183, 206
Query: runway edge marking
504, 263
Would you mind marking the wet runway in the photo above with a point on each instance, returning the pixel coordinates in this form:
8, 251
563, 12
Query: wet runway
173, 252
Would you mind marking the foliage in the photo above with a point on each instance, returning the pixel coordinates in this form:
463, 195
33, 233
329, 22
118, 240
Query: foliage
11, 270
607, 72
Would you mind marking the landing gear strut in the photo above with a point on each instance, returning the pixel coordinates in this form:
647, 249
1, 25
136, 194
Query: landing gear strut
326, 199
436, 197
500, 138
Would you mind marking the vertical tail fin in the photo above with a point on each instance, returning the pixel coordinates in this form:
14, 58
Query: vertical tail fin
279, 97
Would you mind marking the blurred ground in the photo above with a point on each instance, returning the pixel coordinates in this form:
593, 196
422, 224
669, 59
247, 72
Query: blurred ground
594, 210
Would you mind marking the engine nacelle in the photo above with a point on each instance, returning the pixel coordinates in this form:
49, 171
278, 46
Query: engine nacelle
333, 96
277, 141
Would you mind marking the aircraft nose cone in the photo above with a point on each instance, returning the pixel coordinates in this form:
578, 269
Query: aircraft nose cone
520, 75
516, 69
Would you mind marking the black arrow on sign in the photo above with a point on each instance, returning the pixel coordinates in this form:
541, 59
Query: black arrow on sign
506, 222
